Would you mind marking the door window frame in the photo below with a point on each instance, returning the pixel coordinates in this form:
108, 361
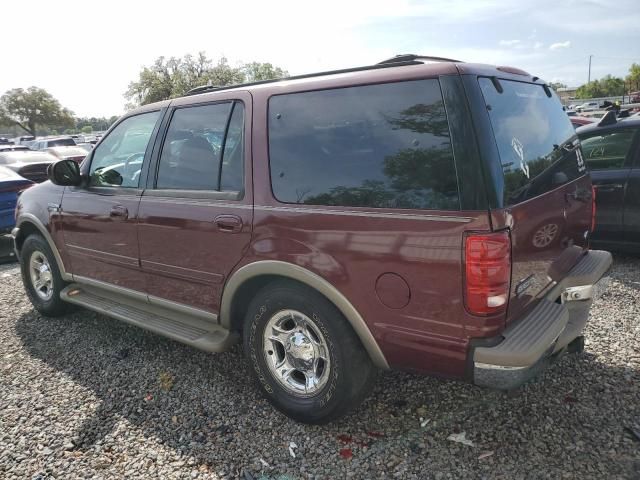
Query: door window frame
118, 190
241, 97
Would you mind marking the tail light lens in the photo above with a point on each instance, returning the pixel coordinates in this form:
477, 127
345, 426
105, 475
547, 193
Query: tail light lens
487, 272
593, 208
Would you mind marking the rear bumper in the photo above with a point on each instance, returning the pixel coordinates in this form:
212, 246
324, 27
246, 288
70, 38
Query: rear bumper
532, 342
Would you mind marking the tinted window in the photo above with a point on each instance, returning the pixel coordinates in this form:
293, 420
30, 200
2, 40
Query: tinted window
373, 146
232, 178
192, 148
62, 142
117, 161
607, 150
538, 147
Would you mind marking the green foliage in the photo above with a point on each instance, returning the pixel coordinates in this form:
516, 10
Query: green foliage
557, 85
98, 124
31, 108
607, 86
173, 77
86, 129
633, 79
70, 131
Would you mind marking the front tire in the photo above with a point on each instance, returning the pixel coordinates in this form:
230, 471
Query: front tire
41, 277
304, 355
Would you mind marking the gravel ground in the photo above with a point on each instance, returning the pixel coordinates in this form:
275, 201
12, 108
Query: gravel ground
85, 396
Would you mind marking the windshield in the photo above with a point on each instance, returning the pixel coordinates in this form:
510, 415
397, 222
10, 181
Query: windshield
538, 147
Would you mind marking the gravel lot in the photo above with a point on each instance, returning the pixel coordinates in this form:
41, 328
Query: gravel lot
85, 396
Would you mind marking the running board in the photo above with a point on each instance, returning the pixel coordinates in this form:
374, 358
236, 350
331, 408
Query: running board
194, 331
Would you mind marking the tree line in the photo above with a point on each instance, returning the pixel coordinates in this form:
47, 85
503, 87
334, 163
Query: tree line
34, 111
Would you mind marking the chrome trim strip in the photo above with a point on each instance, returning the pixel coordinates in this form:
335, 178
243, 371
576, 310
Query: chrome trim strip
487, 366
101, 256
295, 272
30, 218
150, 299
368, 213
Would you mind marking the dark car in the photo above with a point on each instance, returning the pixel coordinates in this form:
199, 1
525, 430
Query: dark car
11, 186
29, 164
389, 216
612, 151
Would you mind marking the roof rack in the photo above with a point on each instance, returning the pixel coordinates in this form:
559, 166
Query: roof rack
410, 57
397, 61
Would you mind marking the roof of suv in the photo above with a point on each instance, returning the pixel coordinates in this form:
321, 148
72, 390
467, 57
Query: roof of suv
401, 67
632, 122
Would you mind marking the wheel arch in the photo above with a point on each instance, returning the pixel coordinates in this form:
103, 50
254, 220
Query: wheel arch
29, 224
253, 276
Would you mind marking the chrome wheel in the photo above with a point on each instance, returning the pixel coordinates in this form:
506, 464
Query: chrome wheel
296, 352
545, 235
41, 275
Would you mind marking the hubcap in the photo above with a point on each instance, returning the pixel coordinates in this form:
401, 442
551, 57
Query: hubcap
545, 235
41, 277
296, 352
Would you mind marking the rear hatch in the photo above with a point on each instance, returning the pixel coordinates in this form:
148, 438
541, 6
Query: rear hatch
546, 191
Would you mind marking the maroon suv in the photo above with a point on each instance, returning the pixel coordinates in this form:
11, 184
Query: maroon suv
419, 215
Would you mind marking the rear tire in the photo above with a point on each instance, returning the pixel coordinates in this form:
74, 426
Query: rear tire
41, 277
303, 354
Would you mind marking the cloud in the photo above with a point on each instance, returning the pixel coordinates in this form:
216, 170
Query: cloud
538, 45
508, 43
558, 45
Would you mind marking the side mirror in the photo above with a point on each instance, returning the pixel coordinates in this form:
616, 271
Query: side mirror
65, 173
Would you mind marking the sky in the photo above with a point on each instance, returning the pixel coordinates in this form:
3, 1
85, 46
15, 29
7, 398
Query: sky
86, 53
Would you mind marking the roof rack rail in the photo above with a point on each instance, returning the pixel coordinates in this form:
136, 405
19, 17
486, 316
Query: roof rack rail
410, 57
377, 66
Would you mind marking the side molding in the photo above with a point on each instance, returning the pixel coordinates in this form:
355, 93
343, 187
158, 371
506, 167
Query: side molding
35, 221
295, 272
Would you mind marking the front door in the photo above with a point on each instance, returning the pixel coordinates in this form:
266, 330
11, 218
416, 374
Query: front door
195, 218
608, 155
632, 200
100, 218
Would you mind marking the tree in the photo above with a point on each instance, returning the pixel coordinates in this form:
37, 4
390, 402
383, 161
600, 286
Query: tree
31, 108
255, 72
633, 79
86, 129
557, 85
607, 86
173, 77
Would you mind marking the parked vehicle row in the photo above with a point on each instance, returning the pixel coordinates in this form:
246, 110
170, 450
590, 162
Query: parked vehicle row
413, 215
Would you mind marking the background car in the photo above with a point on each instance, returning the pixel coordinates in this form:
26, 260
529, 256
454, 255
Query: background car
45, 143
22, 140
577, 121
68, 153
86, 146
13, 148
612, 152
586, 107
28, 164
11, 186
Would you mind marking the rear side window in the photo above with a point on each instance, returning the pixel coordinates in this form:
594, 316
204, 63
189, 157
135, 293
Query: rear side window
608, 150
538, 146
381, 146
62, 142
196, 155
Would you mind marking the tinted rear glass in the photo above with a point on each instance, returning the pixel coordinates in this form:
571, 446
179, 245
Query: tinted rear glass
61, 142
383, 146
538, 146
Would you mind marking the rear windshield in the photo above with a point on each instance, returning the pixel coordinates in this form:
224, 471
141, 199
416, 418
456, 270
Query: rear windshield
538, 147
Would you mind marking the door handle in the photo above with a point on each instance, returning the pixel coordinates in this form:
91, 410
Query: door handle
118, 211
228, 223
609, 187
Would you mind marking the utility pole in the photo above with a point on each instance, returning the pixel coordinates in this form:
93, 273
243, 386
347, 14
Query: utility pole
589, 77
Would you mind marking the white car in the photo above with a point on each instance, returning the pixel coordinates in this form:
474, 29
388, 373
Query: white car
586, 107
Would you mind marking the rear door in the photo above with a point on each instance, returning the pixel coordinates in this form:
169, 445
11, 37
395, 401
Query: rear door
609, 155
195, 217
546, 191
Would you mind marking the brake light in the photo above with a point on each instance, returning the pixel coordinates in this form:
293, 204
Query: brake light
593, 208
487, 272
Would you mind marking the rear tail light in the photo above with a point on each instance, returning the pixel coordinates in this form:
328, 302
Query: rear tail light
593, 208
487, 272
